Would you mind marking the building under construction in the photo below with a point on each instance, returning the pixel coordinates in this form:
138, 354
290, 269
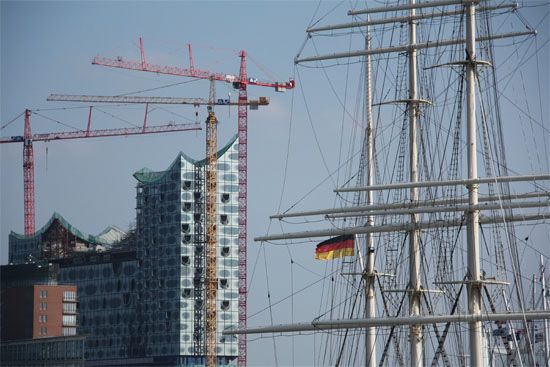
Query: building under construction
142, 296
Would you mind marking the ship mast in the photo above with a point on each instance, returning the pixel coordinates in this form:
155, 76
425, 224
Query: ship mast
415, 338
369, 273
474, 288
473, 279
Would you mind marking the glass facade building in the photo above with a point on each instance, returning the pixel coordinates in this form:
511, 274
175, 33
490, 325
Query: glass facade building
106, 284
53, 352
171, 248
143, 303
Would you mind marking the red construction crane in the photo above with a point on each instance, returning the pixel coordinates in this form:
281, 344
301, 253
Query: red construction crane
211, 280
28, 156
240, 83
143, 65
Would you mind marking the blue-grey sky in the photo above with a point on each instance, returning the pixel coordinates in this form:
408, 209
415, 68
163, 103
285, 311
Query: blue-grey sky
47, 46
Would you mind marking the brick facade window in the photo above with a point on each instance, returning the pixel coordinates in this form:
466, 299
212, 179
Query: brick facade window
69, 307
69, 296
69, 320
67, 331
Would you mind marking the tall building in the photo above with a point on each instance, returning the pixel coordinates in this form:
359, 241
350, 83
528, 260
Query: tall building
142, 294
170, 231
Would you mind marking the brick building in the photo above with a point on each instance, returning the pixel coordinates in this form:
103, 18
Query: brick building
38, 311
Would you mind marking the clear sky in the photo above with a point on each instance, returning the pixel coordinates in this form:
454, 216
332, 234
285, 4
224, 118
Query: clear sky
47, 47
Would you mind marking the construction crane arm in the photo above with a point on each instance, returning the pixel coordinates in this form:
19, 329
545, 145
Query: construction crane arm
64, 135
192, 72
125, 99
279, 86
262, 101
169, 70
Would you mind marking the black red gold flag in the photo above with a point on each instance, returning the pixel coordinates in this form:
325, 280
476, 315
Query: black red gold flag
336, 247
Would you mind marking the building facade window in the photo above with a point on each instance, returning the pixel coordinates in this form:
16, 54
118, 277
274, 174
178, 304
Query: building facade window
67, 331
69, 307
43, 306
43, 294
69, 296
43, 318
43, 330
69, 320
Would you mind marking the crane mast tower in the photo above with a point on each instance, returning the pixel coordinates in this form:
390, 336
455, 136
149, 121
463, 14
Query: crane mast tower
28, 176
211, 238
211, 230
240, 83
28, 154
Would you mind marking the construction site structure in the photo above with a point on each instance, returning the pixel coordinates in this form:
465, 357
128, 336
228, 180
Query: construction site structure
28, 156
208, 345
253, 103
191, 72
28, 176
211, 237
240, 83
28, 138
149, 297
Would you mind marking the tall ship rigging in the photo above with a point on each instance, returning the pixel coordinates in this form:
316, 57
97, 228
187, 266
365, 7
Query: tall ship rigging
429, 234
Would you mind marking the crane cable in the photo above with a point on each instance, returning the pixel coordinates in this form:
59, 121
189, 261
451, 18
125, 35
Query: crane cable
12, 120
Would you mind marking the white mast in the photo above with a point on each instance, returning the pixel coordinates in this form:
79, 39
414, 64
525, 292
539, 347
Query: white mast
415, 337
474, 286
370, 337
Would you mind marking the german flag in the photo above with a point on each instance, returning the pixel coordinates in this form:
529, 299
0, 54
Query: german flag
336, 247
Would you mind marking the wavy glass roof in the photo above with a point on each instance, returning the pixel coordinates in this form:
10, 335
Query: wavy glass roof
68, 226
145, 175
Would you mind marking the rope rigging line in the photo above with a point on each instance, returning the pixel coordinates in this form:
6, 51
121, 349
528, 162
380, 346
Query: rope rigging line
110, 105
312, 23
333, 89
310, 120
295, 293
342, 125
270, 307
327, 178
157, 88
489, 159
287, 155
545, 142
116, 117
56, 121
263, 69
533, 135
490, 262
12, 120
157, 107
